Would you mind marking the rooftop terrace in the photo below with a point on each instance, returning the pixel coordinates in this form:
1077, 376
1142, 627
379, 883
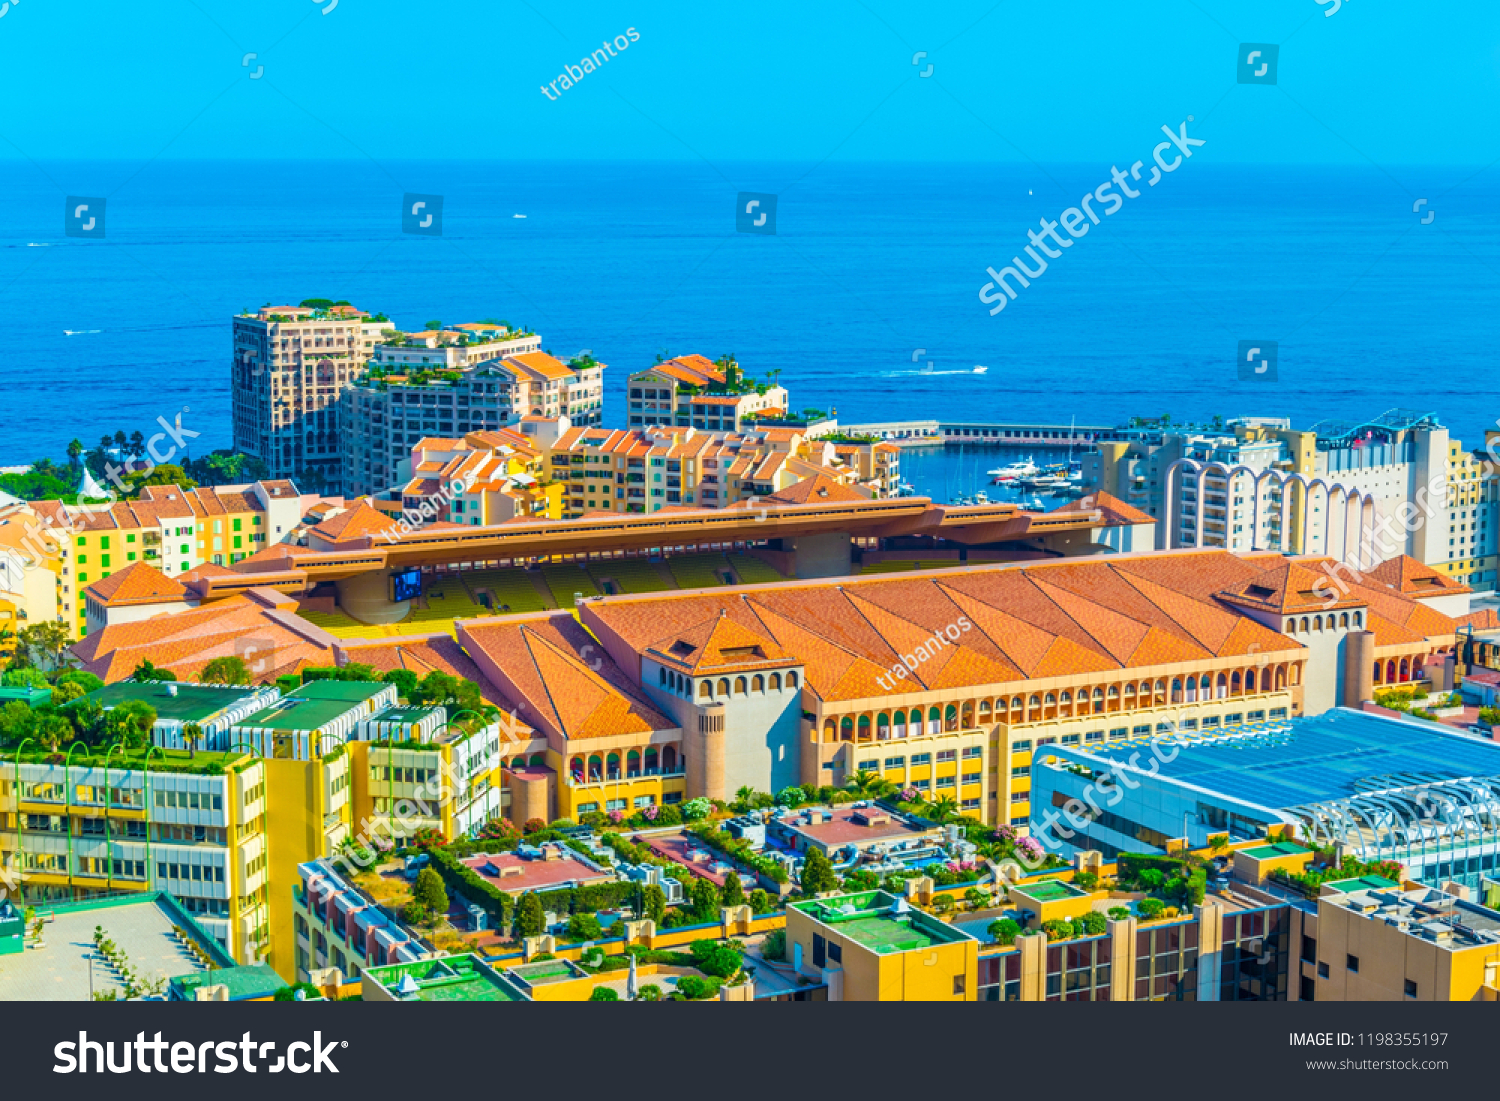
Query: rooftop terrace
142, 927
175, 702
881, 922
451, 979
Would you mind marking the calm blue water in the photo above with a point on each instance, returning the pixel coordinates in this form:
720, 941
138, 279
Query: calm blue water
1371, 309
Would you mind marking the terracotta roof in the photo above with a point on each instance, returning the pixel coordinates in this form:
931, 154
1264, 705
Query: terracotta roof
811, 491
137, 583
359, 520
560, 678
1414, 578
542, 364
1115, 510
1291, 588
719, 644
1013, 623
258, 623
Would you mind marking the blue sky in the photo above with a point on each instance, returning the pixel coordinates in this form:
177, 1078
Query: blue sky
1076, 81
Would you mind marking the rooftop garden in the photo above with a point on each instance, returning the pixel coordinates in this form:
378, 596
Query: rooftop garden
1326, 868
1418, 703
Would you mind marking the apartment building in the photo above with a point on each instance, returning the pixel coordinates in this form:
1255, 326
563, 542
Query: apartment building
648, 469
30, 574
290, 365
484, 478
1339, 488
392, 409
173, 530
694, 391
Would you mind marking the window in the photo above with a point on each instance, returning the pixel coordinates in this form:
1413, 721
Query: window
1352, 964
895, 762
1411, 989
921, 759
1023, 746
1322, 970
958, 984
1309, 949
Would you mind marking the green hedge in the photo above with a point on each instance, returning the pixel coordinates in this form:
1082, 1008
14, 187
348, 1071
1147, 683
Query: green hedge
590, 898
1131, 865
469, 884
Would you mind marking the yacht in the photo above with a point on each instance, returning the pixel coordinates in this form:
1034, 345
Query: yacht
1023, 469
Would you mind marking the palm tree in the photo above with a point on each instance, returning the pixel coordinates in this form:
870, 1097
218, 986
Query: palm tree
865, 782
943, 809
192, 734
75, 453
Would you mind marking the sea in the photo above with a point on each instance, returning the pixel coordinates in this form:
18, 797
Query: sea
864, 302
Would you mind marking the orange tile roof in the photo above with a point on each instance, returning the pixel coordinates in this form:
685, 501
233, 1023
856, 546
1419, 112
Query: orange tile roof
1414, 578
811, 491
542, 364
185, 642
560, 678
1290, 587
1054, 618
1115, 510
355, 522
137, 583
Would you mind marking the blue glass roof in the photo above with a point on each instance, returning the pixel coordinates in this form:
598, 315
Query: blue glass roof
1338, 755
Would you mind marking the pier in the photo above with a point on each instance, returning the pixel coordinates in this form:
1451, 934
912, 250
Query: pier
936, 432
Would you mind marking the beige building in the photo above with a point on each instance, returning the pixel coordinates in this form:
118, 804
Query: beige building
696, 392
290, 365
30, 572
648, 469
394, 406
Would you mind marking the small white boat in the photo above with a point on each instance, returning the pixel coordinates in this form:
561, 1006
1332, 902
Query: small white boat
978, 370
981, 498
80, 332
518, 215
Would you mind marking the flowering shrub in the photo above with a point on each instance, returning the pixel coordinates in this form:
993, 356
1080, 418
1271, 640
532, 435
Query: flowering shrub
617, 816
908, 795
1030, 848
695, 809
650, 813
1005, 833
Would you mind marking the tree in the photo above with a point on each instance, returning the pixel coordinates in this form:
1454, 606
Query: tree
137, 445
405, 681
719, 958
604, 994
17, 723
75, 453
705, 899
24, 678
943, 904
146, 671
654, 903
649, 993
131, 722
734, 891
84, 679
430, 892
41, 646
192, 734
1094, 923
818, 874
943, 809
760, 901
585, 927
976, 898
1005, 930
530, 920
230, 669
66, 692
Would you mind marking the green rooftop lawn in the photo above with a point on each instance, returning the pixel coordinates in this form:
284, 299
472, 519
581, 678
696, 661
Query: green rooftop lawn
160, 760
193, 702
1271, 852
1050, 890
